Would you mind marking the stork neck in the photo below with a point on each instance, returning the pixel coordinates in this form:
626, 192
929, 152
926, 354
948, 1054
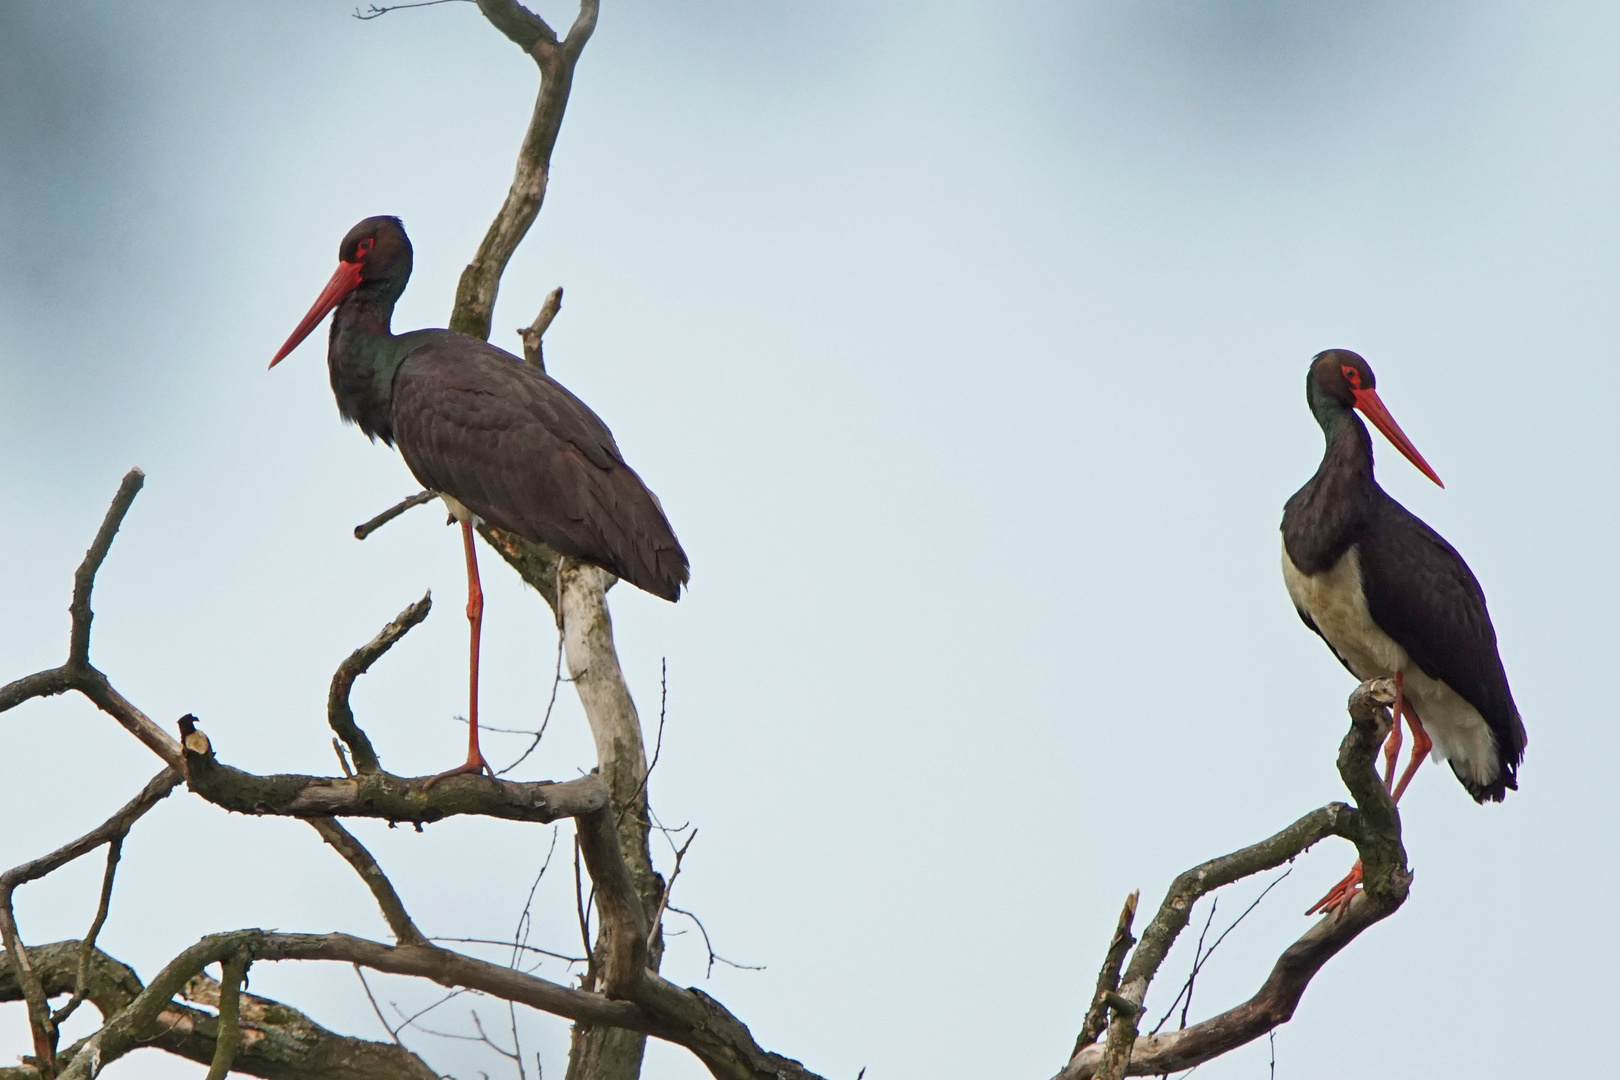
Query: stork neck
1325, 516
363, 359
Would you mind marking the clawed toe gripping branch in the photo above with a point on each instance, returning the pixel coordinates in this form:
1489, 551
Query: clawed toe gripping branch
1372, 825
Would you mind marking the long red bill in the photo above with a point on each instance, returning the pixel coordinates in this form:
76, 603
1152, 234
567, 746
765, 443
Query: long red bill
1370, 405
343, 282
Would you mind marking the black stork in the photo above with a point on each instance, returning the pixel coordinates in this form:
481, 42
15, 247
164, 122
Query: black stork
1392, 599
495, 437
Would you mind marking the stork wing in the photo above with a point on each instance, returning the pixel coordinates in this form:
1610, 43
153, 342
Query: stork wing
521, 452
1422, 594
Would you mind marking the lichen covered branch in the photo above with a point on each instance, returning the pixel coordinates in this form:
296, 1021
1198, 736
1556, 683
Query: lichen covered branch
278, 1042
381, 795
1373, 826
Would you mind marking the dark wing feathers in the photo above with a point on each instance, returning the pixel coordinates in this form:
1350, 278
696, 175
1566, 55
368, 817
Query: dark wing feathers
521, 452
1424, 596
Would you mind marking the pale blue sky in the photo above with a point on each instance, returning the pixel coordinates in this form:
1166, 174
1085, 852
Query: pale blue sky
964, 344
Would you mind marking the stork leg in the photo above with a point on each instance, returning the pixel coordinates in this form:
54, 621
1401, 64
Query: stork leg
1339, 897
1421, 745
475, 762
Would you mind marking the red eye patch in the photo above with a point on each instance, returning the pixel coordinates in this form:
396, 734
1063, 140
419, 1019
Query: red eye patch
1351, 376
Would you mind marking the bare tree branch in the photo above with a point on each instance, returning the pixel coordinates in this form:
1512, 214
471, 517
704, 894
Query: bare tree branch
533, 345
338, 712
84, 579
475, 295
623, 941
233, 972
115, 850
42, 1022
374, 12
363, 531
77, 673
355, 853
380, 794
1374, 827
282, 1043
1108, 978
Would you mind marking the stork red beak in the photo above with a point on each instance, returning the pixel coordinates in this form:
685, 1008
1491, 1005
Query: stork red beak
1367, 401
343, 282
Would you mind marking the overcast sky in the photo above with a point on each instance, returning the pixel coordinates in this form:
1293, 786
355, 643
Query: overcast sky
964, 344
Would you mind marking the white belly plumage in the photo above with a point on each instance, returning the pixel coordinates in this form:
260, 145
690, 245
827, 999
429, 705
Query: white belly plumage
458, 511
1336, 603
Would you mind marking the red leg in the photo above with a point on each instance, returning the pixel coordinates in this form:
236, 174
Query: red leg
1421, 745
475, 762
1392, 747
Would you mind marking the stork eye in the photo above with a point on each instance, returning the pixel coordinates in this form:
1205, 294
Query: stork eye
1351, 376
364, 246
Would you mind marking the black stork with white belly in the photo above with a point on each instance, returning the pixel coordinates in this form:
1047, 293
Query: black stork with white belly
497, 438
1392, 599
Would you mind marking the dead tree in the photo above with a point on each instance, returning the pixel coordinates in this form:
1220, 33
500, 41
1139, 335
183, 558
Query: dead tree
621, 999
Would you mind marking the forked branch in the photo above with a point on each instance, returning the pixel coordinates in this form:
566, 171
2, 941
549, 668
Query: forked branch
1373, 826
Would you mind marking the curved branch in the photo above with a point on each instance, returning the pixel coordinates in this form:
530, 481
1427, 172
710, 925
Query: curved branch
84, 579
1374, 827
338, 713
480, 281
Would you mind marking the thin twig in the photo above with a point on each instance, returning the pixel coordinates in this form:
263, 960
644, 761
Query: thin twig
512, 945
714, 957
381, 1019
556, 681
411, 1021
363, 531
658, 744
525, 920
579, 902
1198, 957
373, 11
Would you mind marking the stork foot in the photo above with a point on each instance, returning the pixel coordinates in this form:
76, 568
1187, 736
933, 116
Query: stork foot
1337, 901
473, 766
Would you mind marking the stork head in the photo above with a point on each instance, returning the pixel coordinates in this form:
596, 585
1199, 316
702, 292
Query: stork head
1343, 378
375, 253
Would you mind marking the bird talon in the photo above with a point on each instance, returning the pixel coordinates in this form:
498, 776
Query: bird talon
1338, 899
473, 766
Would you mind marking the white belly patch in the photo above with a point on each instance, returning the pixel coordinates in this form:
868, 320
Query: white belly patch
458, 511
1336, 603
